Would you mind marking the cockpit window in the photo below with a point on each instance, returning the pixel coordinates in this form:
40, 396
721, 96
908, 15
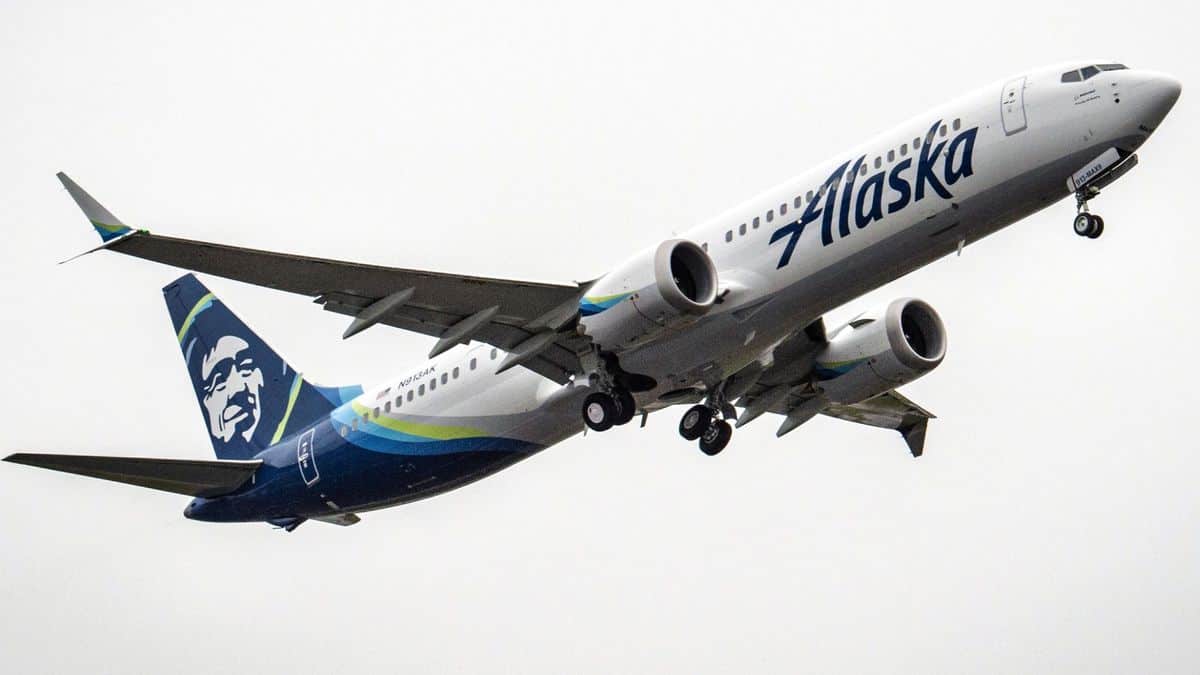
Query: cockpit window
1090, 72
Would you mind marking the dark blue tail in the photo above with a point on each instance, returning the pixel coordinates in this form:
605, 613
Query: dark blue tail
251, 398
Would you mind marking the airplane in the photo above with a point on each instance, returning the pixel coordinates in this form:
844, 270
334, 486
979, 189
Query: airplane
726, 316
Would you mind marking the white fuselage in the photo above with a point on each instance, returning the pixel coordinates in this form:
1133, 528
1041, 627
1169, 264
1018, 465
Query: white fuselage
1028, 134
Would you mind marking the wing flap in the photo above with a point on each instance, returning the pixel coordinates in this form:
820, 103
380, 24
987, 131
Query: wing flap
438, 302
195, 478
451, 293
430, 303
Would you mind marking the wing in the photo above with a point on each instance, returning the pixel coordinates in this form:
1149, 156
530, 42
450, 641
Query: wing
195, 478
529, 320
889, 410
789, 388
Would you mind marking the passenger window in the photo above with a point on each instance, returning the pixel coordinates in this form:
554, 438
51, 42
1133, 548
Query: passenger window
756, 222
1071, 76
891, 155
472, 368
493, 354
444, 378
704, 246
1090, 72
728, 235
354, 424
421, 390
783, 209
343, 430
433, 384
810, 195
456, 372
770, 217
410, 395
942, 131
878, 162
916, 144
742, 229
387, 407
798, 201
862, 170
375, 413
399, 400
957, 124
904, 150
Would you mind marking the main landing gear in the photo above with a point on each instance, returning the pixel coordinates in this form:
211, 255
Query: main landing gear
702, 422
602, 411
1087, 224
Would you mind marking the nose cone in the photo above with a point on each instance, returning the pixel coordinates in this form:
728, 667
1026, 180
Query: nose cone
1157, 93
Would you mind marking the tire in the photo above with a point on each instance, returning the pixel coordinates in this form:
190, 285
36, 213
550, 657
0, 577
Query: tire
716, 437
599, 411
1097, 228
1083, 224
626, 407
694, 422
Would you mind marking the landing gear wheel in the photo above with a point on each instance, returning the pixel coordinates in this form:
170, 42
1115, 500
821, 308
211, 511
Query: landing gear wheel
599, 411
626, 407
715, 437
1097, 227
695, 421
1083, 224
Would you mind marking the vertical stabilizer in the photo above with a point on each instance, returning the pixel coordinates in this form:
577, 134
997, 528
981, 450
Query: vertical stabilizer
249, 396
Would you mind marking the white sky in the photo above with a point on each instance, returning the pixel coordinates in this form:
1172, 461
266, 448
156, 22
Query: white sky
1050, 527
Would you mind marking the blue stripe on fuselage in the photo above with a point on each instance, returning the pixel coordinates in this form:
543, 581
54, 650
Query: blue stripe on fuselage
358, 473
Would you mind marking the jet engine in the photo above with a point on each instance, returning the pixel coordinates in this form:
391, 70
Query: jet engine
881, 350
660, 289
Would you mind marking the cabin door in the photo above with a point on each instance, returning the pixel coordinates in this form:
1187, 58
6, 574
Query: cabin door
1012, 106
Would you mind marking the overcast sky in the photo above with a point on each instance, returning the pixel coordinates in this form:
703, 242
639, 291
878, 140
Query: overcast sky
1050, 526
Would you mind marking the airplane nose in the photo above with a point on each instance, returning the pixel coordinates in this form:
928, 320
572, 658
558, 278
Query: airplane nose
1159, 93
1167, 90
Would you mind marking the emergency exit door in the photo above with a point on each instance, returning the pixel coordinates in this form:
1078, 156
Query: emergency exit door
1012, 106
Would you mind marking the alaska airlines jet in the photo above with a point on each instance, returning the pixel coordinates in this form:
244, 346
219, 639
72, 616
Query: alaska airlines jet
726, 316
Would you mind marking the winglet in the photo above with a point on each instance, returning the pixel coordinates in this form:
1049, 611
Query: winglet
107, 225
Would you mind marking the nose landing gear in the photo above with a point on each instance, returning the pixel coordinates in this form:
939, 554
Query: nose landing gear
701, 422
1087, 224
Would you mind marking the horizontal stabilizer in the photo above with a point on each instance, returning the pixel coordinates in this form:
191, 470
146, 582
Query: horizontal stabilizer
195, 478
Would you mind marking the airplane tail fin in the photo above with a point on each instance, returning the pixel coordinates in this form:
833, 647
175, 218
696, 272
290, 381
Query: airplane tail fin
249, 396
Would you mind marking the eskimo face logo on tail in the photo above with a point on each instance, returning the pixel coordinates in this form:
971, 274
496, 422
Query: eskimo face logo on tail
939, 166
231, 382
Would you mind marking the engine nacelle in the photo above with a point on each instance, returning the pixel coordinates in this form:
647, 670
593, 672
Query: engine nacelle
881, 350
660, 289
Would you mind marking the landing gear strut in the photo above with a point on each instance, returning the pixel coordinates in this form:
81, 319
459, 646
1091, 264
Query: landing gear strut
702, 422
1087, 224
